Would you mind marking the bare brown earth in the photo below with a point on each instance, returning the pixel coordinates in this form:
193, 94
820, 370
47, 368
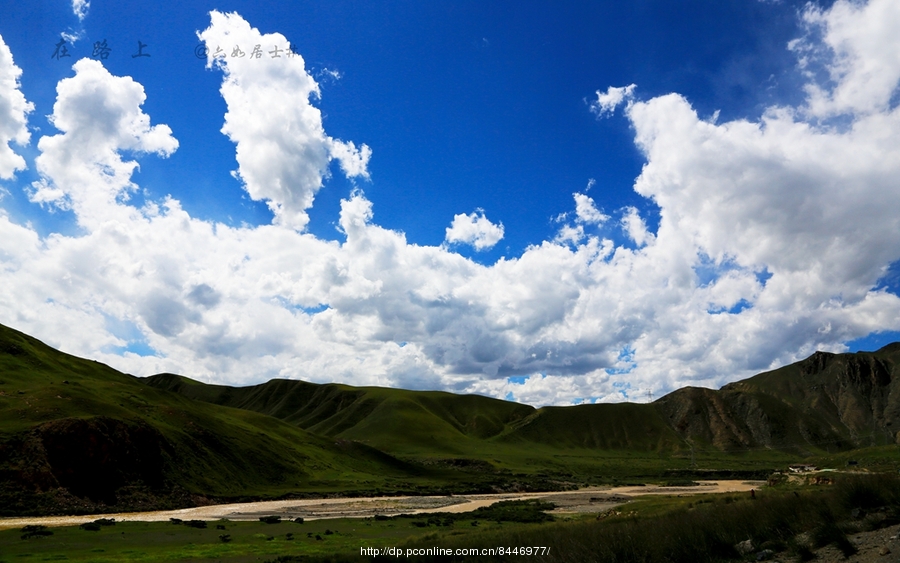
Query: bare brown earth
594, 499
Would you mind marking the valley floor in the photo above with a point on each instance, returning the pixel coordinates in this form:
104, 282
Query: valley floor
593, 499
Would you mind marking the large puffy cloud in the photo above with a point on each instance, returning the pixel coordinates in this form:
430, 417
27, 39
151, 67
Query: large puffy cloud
14, 109
82, 168
772, 236
858, 46
282, 149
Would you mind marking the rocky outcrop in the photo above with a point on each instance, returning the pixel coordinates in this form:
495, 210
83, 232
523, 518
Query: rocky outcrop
827, 401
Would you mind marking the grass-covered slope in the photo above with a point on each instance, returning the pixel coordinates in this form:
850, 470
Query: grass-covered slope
620, 426
76, 434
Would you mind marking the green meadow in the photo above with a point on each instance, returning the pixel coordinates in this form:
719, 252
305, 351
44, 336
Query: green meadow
157, 542
238, 542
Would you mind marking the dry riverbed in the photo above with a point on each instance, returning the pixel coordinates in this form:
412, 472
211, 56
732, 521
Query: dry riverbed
594, 499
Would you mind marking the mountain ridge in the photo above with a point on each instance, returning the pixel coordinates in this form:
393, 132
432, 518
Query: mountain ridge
851, 398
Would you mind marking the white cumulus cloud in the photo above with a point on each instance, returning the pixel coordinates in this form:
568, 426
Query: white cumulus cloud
635, 227
586, 210
474, 229
98, 115
608, 101
282, 149
14, 110
858, 47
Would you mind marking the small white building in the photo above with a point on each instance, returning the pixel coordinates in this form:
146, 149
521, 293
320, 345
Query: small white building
802, 468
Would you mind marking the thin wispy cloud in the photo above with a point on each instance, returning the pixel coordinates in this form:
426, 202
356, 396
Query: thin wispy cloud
80, 8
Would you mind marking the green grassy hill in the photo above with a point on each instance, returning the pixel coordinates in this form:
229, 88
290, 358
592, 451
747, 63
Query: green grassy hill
404, 422
436, 428
78, 435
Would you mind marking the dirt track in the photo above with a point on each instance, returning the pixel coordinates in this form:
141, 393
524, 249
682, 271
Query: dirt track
593, 499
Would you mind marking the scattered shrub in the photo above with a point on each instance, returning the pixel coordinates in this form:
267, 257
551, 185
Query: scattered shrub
523, 511
35, 531
105, 521
270, 519
97, 524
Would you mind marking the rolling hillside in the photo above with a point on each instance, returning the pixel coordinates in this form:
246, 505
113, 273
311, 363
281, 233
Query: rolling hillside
826, 403
78, 435
405, 422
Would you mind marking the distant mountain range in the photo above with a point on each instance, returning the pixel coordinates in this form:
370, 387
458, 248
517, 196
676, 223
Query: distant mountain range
826, 402
76, 435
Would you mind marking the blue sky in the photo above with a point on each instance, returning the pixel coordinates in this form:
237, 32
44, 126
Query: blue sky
459, 195
469, 105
